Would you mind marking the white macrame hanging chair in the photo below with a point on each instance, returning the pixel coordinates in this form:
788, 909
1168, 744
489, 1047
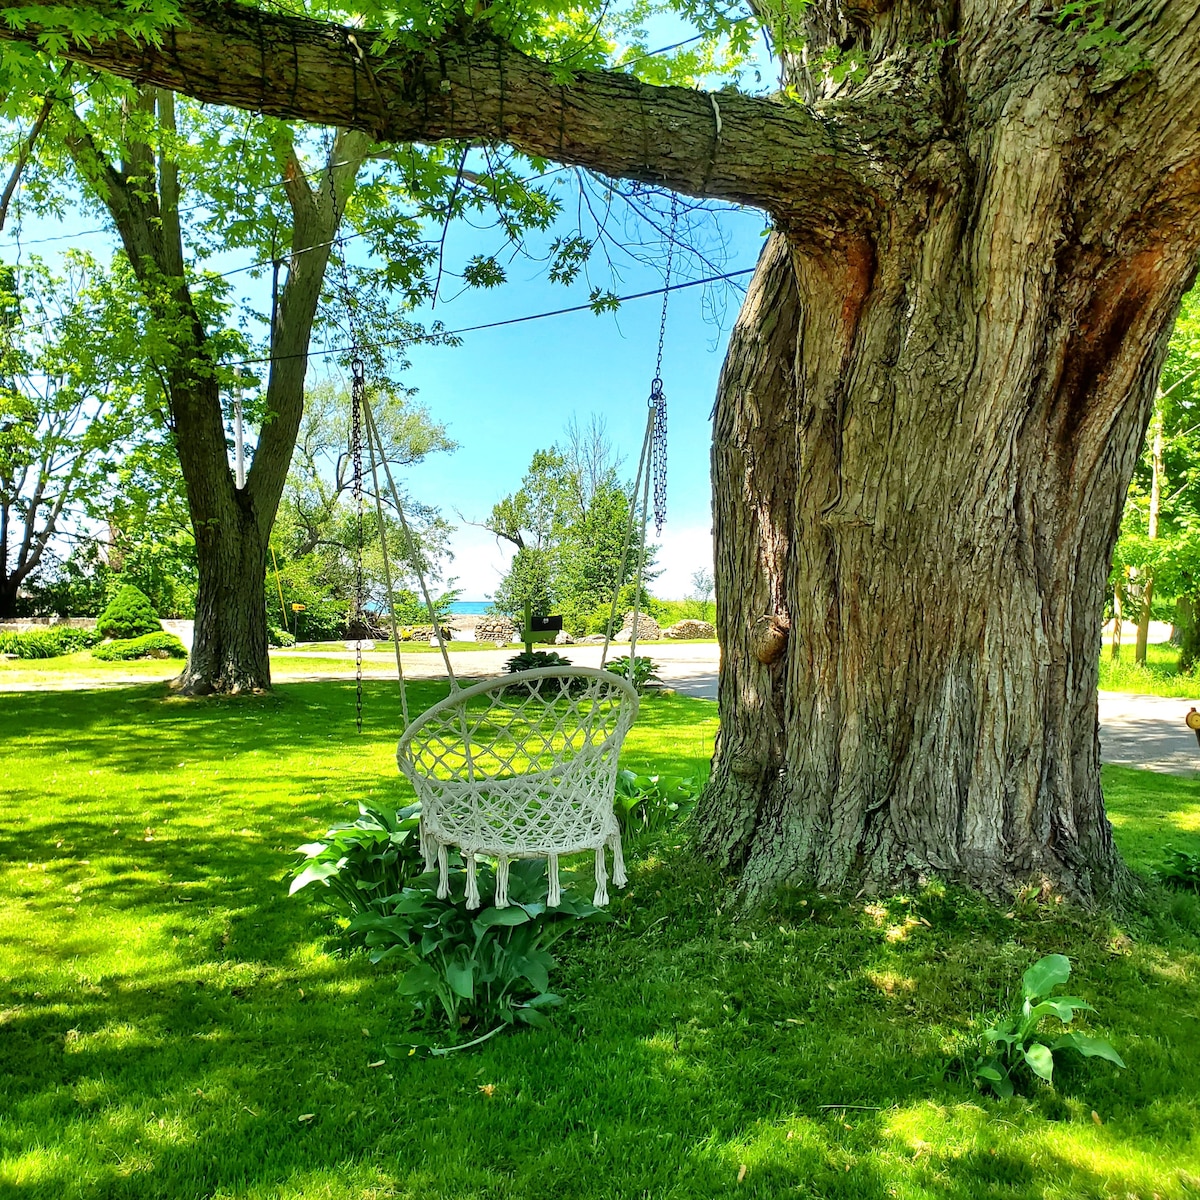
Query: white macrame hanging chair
523, 765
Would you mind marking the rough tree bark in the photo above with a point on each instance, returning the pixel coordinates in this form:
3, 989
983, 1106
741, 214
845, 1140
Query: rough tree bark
931, 406
232, 526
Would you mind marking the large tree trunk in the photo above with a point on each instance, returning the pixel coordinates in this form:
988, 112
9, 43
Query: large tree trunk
915, 513
229, 650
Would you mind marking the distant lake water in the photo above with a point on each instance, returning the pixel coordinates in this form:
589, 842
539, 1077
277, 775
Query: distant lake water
470, 608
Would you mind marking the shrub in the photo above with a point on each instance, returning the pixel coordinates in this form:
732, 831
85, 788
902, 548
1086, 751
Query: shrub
1181, 869
279, 637
129, 615
645, 672
481, 970
366, 862
531, 660
490, 967
47, 643
152, 645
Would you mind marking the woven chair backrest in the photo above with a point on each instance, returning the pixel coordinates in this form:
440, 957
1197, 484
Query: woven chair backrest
523, 765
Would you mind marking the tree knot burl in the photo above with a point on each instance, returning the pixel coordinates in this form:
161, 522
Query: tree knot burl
768, 637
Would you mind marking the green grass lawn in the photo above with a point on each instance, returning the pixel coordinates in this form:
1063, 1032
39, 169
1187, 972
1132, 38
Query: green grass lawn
173, 1025
1158, 676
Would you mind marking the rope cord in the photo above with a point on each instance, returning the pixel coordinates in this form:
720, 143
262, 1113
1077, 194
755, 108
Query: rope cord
411, 541
387, 575
358, 628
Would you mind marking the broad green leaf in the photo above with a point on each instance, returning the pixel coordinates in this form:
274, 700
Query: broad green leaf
314, 873
1040, 1060
536, 973
418, 979
1089, 1047
513, 915
1062, 1007
461, 978
531, 1016
1045, 975
545, 1000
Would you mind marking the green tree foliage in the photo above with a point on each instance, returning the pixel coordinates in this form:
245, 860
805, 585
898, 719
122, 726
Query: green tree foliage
318, 532
67, 403
129, 615
1158, 551
568, 521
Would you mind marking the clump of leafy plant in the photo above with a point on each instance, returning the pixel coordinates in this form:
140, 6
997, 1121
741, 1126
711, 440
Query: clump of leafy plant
47, 643
152, 645
645, 671
279, 637
475, 971
365, 862
467, 970
646, 804
531, 660
1019, 1044
129, 615
1181, 869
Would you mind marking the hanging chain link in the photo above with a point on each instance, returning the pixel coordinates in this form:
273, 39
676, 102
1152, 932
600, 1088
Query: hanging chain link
359, 375
658, 398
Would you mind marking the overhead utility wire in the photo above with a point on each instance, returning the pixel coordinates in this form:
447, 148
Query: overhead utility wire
442, 335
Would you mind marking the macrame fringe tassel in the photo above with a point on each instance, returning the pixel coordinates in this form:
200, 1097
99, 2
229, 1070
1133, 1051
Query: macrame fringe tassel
472, 883
429, 846
502, 882
619, 877
553, 891
600, 899
443, 892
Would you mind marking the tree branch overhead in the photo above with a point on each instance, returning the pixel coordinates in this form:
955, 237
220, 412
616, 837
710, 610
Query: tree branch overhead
777, 155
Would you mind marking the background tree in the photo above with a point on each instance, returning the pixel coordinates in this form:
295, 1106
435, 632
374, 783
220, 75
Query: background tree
317, 534
1157, 553
568, 521
67, 403
933, 399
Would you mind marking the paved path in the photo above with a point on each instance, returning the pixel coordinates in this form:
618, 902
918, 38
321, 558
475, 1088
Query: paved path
1148, 731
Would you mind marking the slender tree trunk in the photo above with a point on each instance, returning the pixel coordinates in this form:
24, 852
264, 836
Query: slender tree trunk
1114, 651
1156, 482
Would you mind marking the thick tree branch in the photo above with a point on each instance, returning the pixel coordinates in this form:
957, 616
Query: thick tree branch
780, 156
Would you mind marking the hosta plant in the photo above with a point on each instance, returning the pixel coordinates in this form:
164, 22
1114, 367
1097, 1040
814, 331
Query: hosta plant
475, 971
645, 804
645, 671
365, 862
1181, 869
1022, 1043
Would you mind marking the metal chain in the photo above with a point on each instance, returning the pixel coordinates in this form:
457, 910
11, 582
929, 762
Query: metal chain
658, 398
356, 455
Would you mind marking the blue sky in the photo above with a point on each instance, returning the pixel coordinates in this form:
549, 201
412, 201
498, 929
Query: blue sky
507, 392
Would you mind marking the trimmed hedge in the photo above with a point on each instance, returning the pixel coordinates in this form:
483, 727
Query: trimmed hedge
129, 615
126, 649
47, 643
280, 638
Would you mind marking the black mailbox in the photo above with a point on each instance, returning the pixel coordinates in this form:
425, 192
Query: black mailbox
545, 624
